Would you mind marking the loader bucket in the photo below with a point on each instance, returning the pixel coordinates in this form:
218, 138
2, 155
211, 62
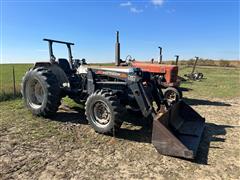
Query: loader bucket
178, 131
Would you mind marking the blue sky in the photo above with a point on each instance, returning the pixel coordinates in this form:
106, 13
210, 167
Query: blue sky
209, 29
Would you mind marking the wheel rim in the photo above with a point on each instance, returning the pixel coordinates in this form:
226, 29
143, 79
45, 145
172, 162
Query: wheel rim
35, 93
171, 97
101, 113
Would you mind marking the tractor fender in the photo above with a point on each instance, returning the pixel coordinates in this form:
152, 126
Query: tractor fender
57, 71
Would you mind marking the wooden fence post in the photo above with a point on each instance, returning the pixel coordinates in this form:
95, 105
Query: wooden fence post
14, 83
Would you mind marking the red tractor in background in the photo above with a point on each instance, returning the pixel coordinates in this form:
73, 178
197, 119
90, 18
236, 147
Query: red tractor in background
166, 75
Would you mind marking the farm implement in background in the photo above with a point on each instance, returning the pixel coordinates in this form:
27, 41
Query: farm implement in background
194, 75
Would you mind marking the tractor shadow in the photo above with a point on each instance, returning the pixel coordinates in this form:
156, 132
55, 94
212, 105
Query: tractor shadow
185, 89
70, 115
135, 128
210, 134
195, 102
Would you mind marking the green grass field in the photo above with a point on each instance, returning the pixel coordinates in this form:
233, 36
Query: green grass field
220, 82
6, 79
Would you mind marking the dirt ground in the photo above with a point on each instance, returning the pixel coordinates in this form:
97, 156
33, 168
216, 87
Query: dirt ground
67, 148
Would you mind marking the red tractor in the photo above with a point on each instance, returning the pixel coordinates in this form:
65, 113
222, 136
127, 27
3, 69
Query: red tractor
167, 78
166, 75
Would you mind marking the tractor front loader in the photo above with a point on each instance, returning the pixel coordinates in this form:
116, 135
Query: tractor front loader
106, 92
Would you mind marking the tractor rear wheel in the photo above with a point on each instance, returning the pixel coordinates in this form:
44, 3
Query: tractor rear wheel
172, 95
41, 92
103, 111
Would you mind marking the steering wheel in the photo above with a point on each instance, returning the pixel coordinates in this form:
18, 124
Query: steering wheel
128, 59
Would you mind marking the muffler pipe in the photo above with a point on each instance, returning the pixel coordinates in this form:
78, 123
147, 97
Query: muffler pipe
160, 55
177, 58
117, 51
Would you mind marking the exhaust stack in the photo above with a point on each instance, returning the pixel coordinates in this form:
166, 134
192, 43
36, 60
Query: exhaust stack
117, 51
160, 55
177, 58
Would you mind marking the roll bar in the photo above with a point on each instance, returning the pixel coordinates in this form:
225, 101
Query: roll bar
52, 57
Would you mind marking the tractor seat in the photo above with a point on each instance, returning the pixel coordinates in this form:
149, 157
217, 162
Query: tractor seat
64, 64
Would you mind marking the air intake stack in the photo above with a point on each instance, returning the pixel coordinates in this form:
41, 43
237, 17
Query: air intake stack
177, 58
160, 55
117, 51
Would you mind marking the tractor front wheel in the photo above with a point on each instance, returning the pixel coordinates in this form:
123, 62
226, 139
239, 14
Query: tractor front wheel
172, 95
103, 112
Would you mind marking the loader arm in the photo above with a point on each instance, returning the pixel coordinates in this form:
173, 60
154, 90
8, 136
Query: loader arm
132, 80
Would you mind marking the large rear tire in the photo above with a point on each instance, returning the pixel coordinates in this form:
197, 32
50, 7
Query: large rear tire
104, 111
41, 92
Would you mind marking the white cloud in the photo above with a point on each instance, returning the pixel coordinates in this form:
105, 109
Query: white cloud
135, 10
126, 4
157, 2
132, 9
